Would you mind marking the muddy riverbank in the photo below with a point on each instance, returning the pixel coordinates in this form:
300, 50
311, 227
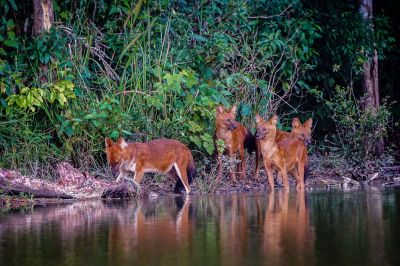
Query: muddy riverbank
70, 184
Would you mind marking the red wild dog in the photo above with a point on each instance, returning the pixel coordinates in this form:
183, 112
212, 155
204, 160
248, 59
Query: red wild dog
295, 157
300, 131
236, 138
166, 156
270, 152
294, 149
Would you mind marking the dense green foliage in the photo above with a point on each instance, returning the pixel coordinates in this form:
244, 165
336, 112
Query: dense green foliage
150, 69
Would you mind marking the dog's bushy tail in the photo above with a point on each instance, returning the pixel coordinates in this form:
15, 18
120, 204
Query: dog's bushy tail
249, 141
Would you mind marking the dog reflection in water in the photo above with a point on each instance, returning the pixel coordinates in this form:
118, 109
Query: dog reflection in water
153, 228
288, 237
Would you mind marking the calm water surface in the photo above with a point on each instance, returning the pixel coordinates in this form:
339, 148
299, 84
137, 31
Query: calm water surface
316, 228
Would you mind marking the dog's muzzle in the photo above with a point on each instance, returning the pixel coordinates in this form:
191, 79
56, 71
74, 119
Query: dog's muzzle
232, 126
258, 136
115, 170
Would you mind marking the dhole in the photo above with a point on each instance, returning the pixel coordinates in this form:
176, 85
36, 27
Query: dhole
294, 150
300, 131
294, 153
166, 156
236, 138
270, 153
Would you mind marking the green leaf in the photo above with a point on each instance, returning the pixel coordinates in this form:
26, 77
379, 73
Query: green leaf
206, 137
209, 147
169, 78
245, 110
114, 134
3, 103
196, 140
10, 24
11, 43
105, 105
78, 92
29, 97
52, 97
126, 132
204, 86
102, 115
96, 123
89, 116
24, 90
61, 99
113, 100
193, 127
197, 37
220, 145
207, 73
66, 127
46, 58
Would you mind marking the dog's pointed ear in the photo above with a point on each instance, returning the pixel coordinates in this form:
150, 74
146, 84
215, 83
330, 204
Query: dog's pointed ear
220, 109
108, 142
274, 120
296, 123
308, 124
259, 119
233, 109
122, 143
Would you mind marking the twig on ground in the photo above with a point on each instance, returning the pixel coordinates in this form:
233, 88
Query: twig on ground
348, 180
373, 177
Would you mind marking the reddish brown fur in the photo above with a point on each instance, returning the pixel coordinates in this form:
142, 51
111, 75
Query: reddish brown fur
294, 152
169, 229
271, 154
160, 155
234, 135
281, 135
299, 131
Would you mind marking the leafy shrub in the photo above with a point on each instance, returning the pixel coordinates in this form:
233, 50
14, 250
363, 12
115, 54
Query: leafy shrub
151, 69
358, 130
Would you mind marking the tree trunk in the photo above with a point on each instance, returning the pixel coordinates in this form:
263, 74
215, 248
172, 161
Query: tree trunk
370, 83
43, 16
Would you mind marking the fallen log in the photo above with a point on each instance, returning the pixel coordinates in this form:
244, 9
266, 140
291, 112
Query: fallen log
9, 188
124, 190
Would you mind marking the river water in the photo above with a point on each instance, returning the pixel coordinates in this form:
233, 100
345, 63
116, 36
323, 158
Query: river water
314, 228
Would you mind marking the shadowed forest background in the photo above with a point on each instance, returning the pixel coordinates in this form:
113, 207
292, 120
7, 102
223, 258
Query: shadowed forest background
150, 69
